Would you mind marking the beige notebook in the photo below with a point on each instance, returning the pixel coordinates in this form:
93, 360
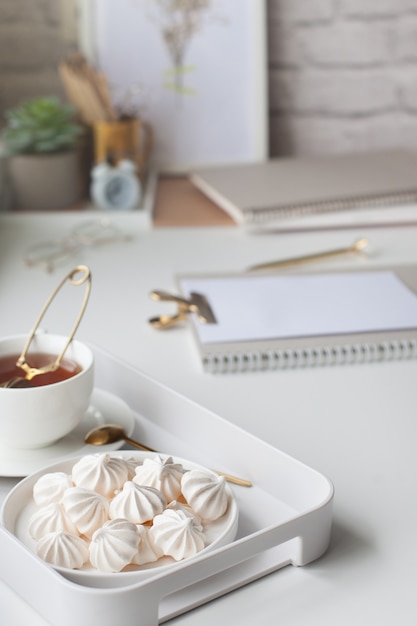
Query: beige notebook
282, 188
270, 321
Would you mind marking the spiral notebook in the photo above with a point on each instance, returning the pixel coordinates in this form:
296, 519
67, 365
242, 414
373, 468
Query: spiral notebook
295, 320
342, 187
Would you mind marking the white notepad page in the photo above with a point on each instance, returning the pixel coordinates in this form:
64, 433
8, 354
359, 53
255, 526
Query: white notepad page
270, 307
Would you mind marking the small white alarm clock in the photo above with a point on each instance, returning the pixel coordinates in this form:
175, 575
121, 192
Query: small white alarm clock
116, 188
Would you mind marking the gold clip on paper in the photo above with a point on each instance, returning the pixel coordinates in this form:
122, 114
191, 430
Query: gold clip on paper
197, 303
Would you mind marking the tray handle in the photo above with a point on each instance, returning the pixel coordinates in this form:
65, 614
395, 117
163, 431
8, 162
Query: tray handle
312, 532
138, 604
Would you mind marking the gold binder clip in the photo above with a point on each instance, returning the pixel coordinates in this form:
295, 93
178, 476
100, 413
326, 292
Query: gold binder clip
197, 303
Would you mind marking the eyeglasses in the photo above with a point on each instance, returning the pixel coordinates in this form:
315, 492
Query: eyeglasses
49, 254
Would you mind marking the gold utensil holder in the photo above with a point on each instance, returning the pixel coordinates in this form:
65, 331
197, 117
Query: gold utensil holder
125, 139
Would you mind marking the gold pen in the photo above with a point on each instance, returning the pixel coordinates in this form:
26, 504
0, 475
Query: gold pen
358, 246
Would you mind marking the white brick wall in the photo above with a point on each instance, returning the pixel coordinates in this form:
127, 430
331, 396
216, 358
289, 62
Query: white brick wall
342, 73
31, 45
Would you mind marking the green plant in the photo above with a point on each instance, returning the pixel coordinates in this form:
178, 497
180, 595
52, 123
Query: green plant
40, 125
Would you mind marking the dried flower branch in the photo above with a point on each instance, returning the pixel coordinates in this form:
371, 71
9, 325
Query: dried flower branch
179, 21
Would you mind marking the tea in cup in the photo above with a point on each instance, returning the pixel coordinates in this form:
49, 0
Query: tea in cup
36, 413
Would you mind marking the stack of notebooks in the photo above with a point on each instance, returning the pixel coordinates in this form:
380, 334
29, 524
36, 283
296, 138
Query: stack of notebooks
270, 321
328, 191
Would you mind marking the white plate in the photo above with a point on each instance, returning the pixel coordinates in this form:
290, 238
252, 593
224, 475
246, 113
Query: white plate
105, 408
19, 507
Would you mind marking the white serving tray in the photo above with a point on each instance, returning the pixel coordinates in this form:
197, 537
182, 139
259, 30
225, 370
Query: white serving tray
284, 518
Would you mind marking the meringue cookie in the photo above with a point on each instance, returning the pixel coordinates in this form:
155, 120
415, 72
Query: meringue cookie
148, 552
114, 545
63, 549
100, 472
87, 509
162, 474
137, 503
100, 517
50, 488
206, 493
181, 506
132, 464
177, 534
48, 519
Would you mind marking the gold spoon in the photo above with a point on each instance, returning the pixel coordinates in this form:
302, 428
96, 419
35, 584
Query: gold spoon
110, 433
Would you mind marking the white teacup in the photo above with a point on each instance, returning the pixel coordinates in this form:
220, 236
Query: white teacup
35, 417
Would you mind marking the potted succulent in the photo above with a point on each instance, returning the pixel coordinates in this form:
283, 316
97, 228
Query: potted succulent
40, 141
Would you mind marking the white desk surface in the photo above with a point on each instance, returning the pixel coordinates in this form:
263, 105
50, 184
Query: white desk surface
356, 424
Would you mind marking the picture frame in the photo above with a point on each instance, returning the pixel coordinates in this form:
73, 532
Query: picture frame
199, 79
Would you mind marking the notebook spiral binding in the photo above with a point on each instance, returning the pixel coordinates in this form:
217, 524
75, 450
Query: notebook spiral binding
267, 214
287, 359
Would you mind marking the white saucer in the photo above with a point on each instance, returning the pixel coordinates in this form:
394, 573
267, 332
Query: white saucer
105, 408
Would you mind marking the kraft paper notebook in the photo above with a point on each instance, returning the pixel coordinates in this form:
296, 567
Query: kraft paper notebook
281, 189
270, 321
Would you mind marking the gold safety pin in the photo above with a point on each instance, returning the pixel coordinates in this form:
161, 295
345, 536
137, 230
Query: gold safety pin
196, 303
71, 277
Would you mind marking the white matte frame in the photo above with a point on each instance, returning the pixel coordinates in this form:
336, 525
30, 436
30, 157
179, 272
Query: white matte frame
187, 133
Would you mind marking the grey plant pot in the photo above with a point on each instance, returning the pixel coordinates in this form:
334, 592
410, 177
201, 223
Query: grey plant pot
45, 182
